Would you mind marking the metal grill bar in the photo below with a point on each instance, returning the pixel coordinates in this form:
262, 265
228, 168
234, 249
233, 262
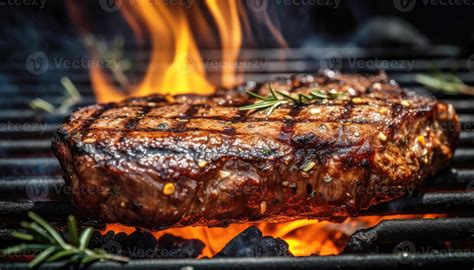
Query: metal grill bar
459, 260
257, 67
13, 211
462, 157
23, 103
433, 202
452, 178
33, 188
29, 166
33, 131
391, 231
22, 148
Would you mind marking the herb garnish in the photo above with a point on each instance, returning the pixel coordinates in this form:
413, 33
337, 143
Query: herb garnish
277, 98
71, 98
446, 83
41, 236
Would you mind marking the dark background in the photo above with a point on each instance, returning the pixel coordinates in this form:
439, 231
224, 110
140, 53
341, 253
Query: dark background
31, 25
29, 28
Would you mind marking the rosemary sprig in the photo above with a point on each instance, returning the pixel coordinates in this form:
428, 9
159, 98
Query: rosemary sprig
42, 237
42, 105
113, 55
71, 98
446, 83
277, 98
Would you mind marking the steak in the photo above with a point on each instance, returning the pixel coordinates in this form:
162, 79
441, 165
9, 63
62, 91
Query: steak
171, 161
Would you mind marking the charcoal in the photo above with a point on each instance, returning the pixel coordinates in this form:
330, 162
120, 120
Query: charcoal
108, 242
251, 243
109, 236
96, 240
171, 246
143, 245
140, 245
121, 237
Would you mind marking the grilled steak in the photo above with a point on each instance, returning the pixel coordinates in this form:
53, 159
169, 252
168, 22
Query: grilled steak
160, 162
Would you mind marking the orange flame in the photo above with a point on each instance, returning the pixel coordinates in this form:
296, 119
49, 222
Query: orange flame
175, 65
304, 237
226, 16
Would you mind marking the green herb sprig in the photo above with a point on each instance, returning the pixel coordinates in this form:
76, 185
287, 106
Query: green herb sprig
71, 98
447, 83
43, 238
277, 98
113, 55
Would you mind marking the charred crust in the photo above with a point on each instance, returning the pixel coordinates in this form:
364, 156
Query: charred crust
61, 135
305, 139
268, 179
228, 130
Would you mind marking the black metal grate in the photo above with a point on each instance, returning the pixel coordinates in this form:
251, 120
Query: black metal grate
30, 177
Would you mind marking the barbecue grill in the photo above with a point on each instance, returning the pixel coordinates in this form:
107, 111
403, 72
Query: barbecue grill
30, 176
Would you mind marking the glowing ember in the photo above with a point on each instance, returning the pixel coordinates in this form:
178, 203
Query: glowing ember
304, 237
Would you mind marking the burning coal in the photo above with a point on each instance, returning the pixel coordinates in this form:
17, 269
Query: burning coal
303, 237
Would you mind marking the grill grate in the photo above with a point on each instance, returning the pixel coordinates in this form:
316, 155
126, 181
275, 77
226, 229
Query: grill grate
30, 177
410, 230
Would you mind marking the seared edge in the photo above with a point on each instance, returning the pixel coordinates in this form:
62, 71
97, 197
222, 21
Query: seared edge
292, 165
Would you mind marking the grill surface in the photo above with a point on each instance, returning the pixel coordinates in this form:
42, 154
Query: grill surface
30, 177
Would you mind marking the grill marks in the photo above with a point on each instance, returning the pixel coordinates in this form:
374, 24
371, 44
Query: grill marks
88, 122
132, 123
237, 124
184, 117
178, 121
347, 110
272, 150
287, 130
254, 120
